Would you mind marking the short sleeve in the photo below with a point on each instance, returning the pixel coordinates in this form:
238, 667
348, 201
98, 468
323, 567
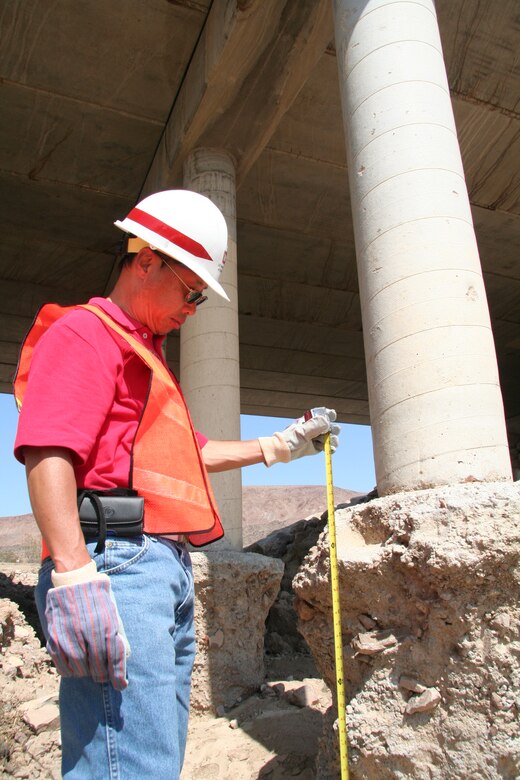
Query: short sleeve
202, 440
71, 387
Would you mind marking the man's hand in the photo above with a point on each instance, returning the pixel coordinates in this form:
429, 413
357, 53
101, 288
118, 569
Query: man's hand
303, 437
86, 636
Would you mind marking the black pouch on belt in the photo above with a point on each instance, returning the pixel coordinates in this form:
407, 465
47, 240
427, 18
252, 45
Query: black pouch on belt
120, 511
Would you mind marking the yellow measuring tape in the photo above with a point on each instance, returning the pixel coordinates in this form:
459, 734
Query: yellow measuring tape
336, 615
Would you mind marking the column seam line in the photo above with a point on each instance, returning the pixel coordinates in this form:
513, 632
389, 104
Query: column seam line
407, 173
429, 362
421, 273
495, 385
406, 81
399, 127
391, 43
397, 2
424, 330
389, 474
411, 221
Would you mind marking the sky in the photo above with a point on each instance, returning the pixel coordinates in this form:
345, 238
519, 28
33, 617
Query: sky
352, 463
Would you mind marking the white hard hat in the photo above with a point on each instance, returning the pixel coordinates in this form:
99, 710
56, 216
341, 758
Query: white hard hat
186, 226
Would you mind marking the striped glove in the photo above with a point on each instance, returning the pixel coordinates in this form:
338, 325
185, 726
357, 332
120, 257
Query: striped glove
85, 634
305, 436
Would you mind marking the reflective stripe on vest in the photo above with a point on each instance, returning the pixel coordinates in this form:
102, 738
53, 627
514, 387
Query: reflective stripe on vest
166, 461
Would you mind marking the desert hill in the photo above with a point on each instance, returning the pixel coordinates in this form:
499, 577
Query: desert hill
266, 509
19, 539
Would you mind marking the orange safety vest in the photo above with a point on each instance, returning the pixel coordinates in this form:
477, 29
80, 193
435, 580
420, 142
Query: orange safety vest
166, 462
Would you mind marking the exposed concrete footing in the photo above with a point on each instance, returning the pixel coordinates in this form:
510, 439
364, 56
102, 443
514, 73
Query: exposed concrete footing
430, 587
234, 592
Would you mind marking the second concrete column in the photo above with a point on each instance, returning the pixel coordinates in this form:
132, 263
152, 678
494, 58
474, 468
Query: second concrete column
435, 402
209, 364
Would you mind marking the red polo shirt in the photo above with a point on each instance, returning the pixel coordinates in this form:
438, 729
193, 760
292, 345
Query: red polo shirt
86, 392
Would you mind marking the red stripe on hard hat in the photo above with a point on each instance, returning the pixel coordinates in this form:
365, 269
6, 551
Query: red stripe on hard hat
169, 233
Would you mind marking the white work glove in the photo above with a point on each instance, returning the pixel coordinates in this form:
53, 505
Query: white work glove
85, 634
302, 437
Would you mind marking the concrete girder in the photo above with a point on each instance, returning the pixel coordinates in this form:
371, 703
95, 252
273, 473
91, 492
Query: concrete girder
251, 61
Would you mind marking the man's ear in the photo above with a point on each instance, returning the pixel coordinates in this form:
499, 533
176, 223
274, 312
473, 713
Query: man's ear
144, 261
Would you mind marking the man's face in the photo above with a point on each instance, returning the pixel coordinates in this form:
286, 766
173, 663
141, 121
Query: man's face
162, 305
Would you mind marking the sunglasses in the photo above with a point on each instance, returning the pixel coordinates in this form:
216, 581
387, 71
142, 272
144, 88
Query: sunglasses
192, 296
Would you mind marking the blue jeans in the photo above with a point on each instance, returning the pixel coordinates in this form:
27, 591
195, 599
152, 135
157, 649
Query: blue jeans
138, 733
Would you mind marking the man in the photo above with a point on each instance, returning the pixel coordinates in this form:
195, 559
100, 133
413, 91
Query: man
118, 483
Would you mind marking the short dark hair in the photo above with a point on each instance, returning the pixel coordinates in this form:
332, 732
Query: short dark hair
125, 260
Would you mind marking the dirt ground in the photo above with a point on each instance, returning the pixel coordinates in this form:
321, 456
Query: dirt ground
273, 733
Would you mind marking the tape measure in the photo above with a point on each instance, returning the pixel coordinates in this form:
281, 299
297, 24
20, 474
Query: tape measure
336, 615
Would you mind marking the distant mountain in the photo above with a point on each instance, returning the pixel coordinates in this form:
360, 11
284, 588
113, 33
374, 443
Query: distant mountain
19, 539
264, 509
268, 508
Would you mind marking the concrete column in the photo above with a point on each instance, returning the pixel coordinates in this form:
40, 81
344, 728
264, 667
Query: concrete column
209, 363
435, 402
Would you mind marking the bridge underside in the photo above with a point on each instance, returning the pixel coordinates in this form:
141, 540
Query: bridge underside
97, 105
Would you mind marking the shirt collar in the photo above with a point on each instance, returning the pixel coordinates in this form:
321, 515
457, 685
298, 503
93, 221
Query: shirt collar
127, 322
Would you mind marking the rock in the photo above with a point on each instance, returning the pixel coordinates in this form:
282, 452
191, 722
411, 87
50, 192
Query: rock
299, 697
501, 622
13, 665
22, 632
23, 772
310, 692
304, 610
6, 623
313, 693
411, 684
373, 642
24, 673
42, 714
426, 702
5, 750
367, 622
217, 639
